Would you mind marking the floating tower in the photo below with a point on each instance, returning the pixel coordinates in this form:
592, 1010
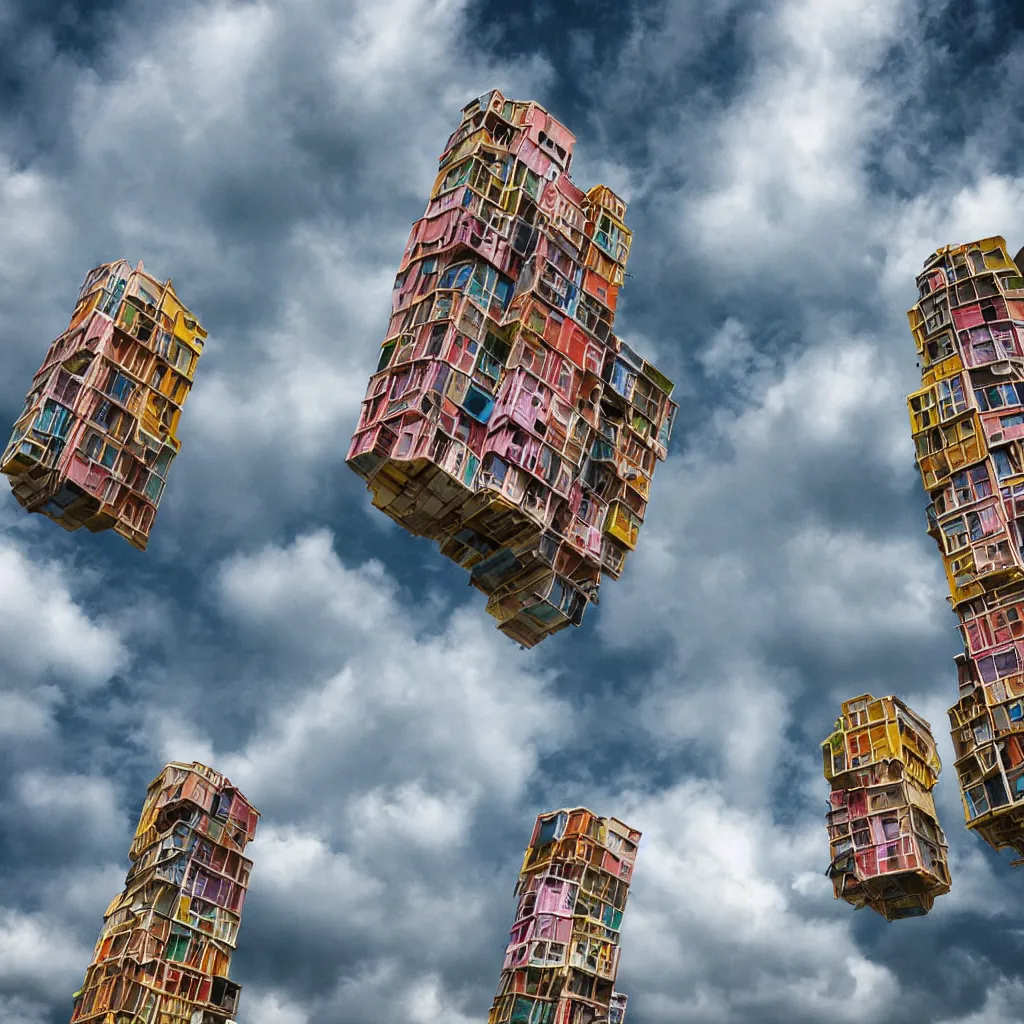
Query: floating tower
888, 852
563, 955
97, 436
968, 425
505, 420
165, 948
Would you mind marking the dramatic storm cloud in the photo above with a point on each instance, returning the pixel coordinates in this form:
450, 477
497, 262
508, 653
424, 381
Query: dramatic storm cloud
788, 165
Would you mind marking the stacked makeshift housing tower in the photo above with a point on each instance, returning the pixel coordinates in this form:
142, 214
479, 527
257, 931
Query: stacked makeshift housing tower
968, 426
96, 438
505, 420
888, 852
561, 962
165, 948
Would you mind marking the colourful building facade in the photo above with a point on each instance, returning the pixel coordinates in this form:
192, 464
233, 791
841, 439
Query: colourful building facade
505, 419
165, 949
968, 425
95, 441
888, 851
563, 954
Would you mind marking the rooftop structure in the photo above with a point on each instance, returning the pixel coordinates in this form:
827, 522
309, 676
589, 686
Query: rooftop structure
97, 436
888, 851
563, 954
165, 948
505, 420
968, 425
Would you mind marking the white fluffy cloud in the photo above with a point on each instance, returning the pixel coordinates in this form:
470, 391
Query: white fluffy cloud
789, 153
749, 511
44, 630
37, 955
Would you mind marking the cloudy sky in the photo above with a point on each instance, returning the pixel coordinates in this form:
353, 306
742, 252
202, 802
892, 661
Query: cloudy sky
788, 165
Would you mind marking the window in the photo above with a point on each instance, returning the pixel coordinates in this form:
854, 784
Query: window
386, 352
970, 485
442, 306
183, 359
938, 348
1007, 625
53, 419
527, 180
493, 356
436, 339
986, 286
495, 467
177, 948
405, 348
978, 345
1005, 460
607, 235
997, 556
78, 363
111, 297
977, 800
401, 383
859, 744
999, 666
482, 284
456, 276
989, 311
457, 176
965, 293
983, 522
425, 280
550, 829
478, 404
951, 398
503, 292
487, 284
624, 380
999, 395
405, 443
973, 528
119, 387
488, 365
